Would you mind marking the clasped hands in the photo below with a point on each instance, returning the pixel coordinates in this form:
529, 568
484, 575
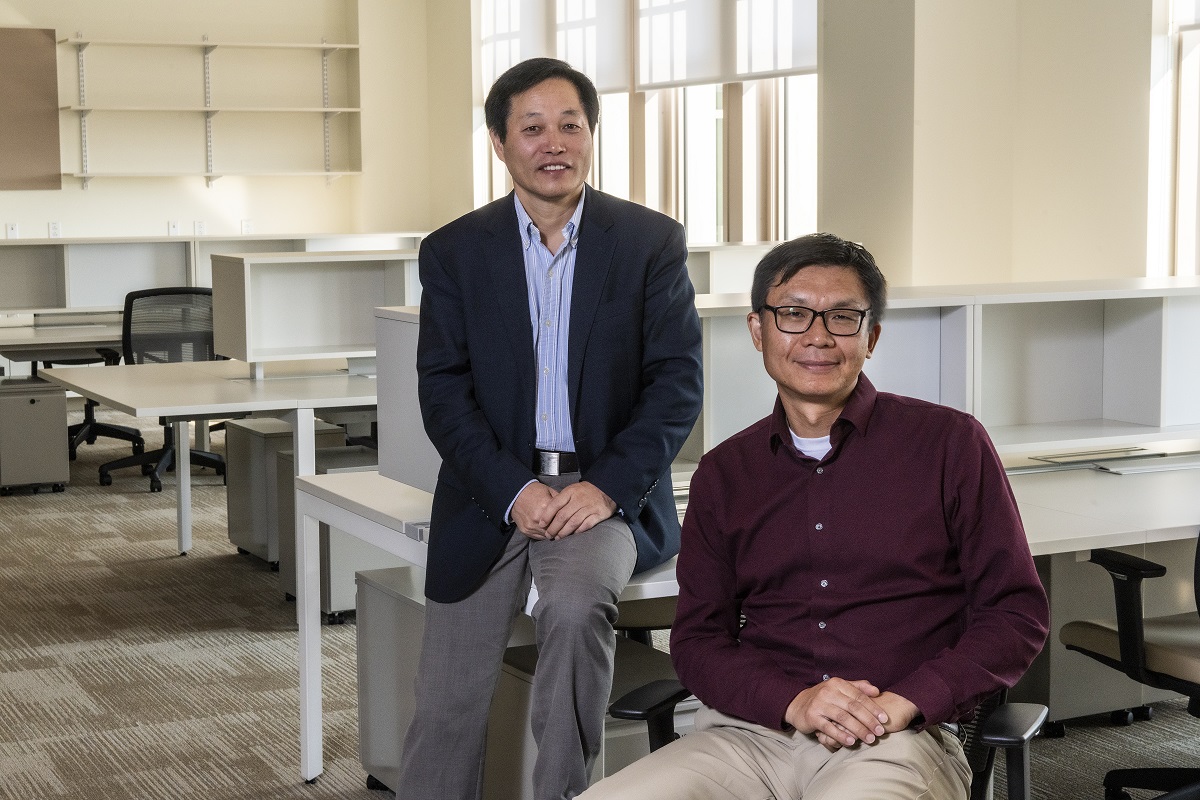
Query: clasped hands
540, 512
843, 713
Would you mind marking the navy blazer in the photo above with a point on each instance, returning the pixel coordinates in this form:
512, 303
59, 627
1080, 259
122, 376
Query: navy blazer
634, 377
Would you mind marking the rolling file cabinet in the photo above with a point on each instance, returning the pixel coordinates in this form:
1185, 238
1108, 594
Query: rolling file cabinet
251, 446
341, 555
33, 435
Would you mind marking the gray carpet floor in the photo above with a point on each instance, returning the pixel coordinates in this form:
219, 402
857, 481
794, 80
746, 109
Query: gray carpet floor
128, 672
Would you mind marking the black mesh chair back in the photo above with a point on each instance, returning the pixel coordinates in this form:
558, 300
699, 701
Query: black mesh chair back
168, 325
161, 326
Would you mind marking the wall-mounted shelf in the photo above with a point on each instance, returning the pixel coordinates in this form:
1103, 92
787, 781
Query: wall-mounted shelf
159, 109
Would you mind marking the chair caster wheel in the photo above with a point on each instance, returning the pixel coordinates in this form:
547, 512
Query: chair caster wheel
376, 785
155, 486
147, 469
1122, 718
1054, 729
336, 618
289, 597
1143, 713
58, 487
105, 479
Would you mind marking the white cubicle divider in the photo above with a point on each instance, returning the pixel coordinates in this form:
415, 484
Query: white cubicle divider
295, 306
405, 452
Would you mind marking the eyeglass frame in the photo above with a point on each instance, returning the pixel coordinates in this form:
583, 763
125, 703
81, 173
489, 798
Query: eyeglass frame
862, 312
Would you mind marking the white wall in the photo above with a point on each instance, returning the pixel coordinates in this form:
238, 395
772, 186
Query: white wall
395, 192
1028, 123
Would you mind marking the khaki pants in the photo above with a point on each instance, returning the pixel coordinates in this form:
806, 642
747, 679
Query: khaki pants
731, 759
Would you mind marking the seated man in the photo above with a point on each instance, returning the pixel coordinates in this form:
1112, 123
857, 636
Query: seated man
853, 576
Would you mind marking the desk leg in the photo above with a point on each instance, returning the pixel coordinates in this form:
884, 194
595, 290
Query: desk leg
308, 617
308, 597
183, 478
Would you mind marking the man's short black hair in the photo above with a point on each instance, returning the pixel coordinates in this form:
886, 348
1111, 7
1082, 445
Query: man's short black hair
524, 76
819, 250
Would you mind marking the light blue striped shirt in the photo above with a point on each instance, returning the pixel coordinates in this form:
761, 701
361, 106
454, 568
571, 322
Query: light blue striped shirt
550, 278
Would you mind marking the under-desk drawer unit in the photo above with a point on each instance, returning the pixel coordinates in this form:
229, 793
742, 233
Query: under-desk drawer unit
33, 434
289, 306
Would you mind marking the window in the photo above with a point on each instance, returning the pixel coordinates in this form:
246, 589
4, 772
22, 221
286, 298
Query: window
707, 107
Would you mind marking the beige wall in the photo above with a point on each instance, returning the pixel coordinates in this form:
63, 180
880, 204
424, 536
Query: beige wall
1028, 125
401, 44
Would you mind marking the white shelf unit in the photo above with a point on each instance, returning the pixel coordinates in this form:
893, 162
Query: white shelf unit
1087, 364
293, 306
726, 267
208, 246
45, 276
85, 275
258, 108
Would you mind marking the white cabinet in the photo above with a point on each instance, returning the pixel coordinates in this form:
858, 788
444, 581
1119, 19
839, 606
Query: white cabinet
726, 267
148, 108
290, 306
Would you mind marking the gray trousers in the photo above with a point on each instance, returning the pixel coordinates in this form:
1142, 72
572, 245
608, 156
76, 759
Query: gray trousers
578, 580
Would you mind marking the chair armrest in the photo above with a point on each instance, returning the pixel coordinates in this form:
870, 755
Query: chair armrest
1012, 724
1127, 573
650, 700
655, 703
1127, 566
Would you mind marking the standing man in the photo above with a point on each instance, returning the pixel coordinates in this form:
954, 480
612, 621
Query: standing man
854, 576
559, 373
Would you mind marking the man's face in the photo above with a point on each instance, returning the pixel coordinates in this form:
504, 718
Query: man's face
548, 144
815, 367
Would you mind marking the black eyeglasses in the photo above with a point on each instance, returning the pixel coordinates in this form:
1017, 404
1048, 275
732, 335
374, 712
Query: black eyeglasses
838, 321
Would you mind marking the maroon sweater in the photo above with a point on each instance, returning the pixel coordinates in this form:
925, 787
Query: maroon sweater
898, 558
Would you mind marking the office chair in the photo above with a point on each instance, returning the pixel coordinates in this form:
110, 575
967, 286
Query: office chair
998, 725
90, 428
1161, 652
161, 326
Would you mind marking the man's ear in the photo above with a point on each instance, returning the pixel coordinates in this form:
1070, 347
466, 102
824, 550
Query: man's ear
497, 145
873, 338
754, 323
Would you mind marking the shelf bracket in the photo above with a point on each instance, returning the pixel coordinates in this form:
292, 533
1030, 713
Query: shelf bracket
80, 64
208, 115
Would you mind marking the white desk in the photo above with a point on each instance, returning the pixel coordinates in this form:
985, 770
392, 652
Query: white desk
374, 509
1064, 512
209, 389
58, 342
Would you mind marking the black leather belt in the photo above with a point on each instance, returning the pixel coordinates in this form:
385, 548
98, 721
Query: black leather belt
554, 462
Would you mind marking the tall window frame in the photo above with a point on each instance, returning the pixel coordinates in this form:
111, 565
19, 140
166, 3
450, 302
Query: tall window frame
684, 126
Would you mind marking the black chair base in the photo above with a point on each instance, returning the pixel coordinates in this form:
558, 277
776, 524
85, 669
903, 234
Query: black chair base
90, 429
1155, 779
156, 462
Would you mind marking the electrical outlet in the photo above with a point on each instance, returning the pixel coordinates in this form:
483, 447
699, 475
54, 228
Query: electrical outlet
172, 228
247, 227
200, 227
55, 230
11, 230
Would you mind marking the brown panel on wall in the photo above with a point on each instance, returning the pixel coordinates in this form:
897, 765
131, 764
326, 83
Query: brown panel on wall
29, 150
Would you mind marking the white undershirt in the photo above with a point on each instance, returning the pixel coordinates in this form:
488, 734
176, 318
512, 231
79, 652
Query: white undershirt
813, 448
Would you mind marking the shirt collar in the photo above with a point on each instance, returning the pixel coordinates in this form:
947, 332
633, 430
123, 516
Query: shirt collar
856, 414
525, 222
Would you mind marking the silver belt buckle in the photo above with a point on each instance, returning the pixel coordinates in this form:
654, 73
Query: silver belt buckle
549, 462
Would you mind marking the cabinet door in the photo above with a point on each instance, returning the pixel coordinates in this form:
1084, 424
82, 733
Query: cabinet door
33, 438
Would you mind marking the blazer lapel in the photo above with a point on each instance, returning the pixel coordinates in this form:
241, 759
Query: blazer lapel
504, 265
592, 265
